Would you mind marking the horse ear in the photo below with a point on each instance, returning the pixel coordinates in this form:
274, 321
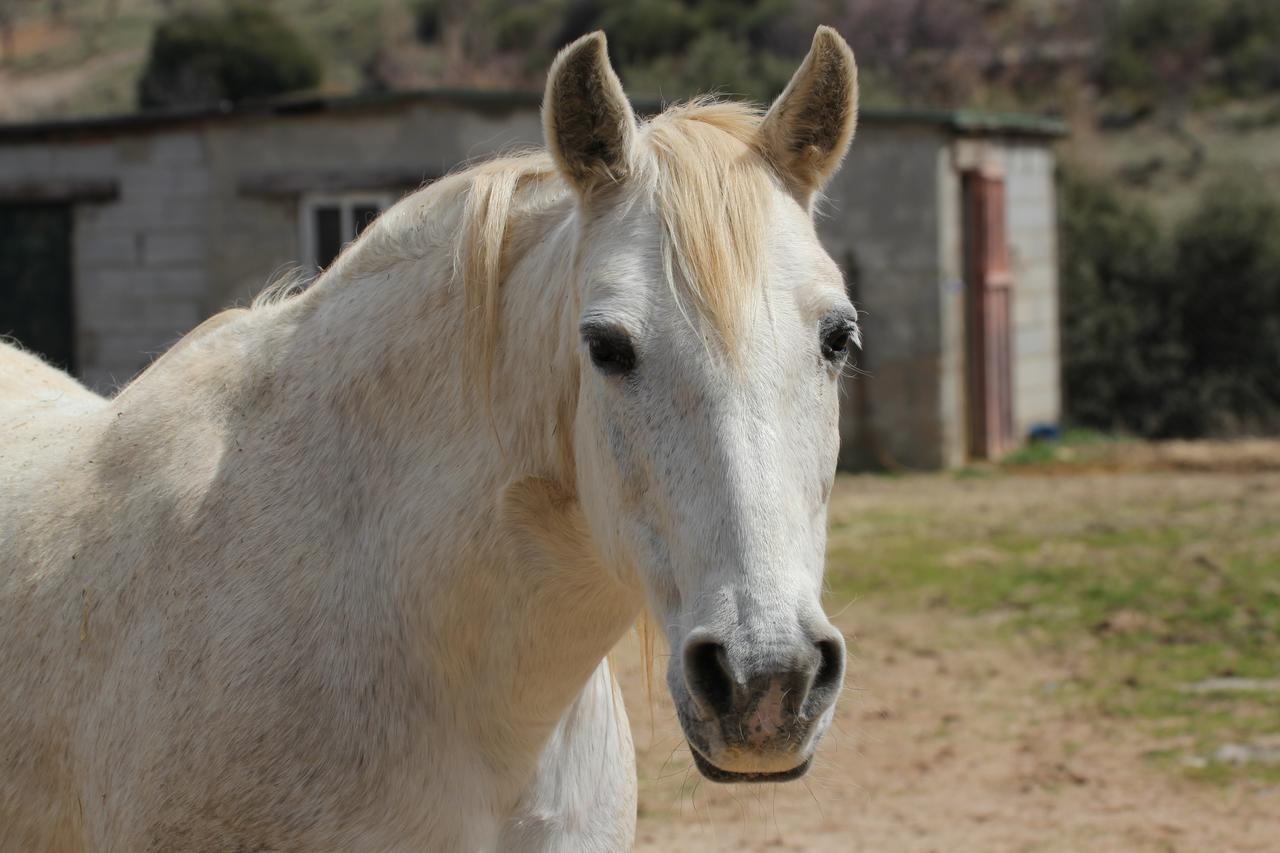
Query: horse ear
808, 129
586, 117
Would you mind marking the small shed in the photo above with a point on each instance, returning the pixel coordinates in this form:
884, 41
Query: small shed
119, 234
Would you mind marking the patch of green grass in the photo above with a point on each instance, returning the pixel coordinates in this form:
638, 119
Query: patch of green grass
1147, 603
1076, 445
972, 473
1033, 453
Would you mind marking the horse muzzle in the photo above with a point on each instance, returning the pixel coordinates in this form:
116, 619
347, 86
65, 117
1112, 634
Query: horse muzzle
756, 715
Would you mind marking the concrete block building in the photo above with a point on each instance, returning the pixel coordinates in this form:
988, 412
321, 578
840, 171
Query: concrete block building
119, 234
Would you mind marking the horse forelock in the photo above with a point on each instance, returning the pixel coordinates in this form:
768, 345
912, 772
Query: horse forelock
713, 190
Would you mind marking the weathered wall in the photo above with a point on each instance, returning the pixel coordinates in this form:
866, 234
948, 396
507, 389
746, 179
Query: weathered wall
882, 224
189, 234
140, 261
954, 397
260, 230
1031, 225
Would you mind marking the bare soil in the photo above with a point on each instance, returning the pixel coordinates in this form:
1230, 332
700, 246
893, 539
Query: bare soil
956, 736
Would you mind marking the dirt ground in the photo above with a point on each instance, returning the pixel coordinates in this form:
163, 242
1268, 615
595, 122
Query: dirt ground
954, 736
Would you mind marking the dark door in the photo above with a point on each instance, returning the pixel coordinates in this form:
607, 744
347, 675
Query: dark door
36, 304
989, 316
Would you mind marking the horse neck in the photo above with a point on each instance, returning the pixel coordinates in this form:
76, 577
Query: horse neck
465, 507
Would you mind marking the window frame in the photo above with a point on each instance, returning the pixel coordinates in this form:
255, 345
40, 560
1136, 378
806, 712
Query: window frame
346, 202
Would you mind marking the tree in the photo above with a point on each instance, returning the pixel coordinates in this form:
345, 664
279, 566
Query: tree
1157, 52
1122, 359
1246, 41
1227, 270
243, 51
1171, 337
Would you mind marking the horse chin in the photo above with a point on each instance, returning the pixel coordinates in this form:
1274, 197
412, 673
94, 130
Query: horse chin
730, 777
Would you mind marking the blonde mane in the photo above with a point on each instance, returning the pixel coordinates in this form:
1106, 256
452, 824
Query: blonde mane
712, 187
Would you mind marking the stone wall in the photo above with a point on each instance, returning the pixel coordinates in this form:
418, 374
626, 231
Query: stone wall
896, 211
188, 233
1031, 224
881, 222
140, 267
257, 223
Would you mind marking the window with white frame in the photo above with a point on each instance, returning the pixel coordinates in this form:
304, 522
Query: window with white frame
331, 221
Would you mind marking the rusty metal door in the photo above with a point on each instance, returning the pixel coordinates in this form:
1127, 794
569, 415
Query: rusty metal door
990, 316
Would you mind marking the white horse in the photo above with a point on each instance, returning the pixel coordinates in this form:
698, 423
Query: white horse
341, 572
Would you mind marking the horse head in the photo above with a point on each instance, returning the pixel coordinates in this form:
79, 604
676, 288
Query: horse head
713, 330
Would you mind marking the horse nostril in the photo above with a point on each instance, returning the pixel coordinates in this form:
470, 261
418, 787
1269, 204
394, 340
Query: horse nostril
830, 667
706, 673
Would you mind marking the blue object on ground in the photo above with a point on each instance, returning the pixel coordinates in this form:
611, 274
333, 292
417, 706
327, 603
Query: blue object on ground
1044, 432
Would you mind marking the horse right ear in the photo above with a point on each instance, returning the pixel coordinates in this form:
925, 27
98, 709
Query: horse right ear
808, 129
588, 122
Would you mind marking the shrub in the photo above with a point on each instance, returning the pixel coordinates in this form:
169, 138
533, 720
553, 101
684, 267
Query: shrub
1227, 263
1245, 38
240, 52
518, 27
1156, 50
1122, 359
721, 64
1171, 337
643, 30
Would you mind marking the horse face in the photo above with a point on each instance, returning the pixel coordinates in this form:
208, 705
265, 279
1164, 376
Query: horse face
712, 477
706, 437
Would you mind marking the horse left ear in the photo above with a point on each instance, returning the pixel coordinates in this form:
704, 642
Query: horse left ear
808, 129
588, 122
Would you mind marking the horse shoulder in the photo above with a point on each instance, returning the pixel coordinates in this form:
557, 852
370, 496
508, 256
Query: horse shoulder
42, 413
583, 794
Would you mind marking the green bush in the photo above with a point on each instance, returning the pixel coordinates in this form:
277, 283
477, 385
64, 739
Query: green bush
677, 48
233, 54
643, 30
1246, 39
518, 27
1122, 358
1171, 336
1227, 262
1156, 49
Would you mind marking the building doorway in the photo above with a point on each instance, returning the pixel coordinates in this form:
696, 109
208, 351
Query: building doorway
36, 303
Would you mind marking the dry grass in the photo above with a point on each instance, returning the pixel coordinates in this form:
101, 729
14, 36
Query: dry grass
1242, 456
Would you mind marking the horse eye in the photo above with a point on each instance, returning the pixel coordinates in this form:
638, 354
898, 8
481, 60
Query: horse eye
837, 337
611, 350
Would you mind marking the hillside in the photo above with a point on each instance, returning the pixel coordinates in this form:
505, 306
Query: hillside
1168, 169
1159, 135
84, 57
